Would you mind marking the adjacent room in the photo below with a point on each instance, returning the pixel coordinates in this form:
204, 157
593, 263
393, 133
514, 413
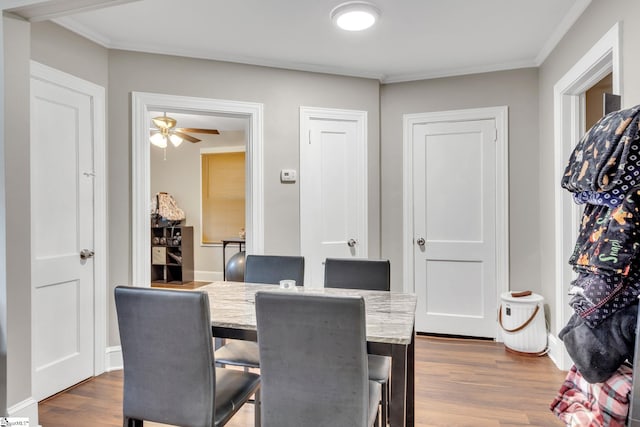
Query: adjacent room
425, 219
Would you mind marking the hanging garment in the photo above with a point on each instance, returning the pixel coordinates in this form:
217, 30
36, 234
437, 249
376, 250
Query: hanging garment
600, 157
580, 404
608, 240
598, 352
629, 178
595, 297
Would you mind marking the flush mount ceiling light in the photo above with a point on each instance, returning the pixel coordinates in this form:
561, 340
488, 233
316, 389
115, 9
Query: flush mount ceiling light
355, 15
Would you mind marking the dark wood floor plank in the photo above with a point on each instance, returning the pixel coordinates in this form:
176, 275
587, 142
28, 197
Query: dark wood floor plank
459, 383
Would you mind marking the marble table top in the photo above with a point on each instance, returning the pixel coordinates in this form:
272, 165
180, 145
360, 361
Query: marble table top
390, 315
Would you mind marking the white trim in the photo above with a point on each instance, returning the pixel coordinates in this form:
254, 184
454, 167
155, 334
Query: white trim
561, 29
40, 10
207, 276
98, 102
603, 58
501, 117
556, 350
28, 408
229, 149
141, 104
113, 356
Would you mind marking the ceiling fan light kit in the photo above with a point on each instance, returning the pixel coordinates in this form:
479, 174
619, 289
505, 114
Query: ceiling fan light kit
158, 140
355, 15
175, 139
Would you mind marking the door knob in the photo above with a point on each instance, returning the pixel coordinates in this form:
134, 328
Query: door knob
420, 242
351, 243
86, 253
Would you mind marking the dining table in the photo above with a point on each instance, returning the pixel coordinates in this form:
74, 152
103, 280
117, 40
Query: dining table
390, 327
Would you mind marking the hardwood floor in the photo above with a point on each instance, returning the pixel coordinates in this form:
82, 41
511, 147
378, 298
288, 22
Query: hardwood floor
461, 383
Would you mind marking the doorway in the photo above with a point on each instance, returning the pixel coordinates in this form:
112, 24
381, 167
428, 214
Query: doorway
333, 188
456, 218
205, 175
569, 125
68, 229
142, 105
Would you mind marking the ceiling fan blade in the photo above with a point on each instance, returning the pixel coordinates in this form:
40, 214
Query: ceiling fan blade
185, 136
197, 130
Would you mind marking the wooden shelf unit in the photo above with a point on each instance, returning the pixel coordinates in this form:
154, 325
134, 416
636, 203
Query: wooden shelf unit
172, 257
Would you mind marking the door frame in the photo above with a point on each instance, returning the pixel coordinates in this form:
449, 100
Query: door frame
141, 104
98, 106
501, 116
308, 114
568, 109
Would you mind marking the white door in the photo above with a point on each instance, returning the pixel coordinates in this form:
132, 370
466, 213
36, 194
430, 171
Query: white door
333, 199
454, 182
62, 197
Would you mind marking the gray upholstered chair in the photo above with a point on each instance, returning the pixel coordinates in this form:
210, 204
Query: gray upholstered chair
260, 269
169, 368
314, 370
273, 268
353, 273
372, 274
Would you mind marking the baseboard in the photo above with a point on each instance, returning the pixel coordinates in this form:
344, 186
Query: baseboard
207, 276
114, 359
558, 354
28, 408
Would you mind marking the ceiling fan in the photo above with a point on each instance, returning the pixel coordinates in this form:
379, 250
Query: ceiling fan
167, 131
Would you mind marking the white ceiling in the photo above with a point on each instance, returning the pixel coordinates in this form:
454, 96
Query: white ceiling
414, 39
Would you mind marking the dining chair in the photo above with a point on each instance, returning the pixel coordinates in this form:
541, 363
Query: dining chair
260, 269
169, 368
314, 369
371, 274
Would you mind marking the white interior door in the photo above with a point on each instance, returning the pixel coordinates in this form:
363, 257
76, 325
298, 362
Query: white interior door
62, 197
454, 184
333, 202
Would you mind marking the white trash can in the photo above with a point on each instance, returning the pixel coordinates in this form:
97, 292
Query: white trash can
523, 323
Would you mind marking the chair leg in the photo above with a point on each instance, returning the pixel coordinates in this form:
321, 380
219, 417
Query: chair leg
385, 404
256, 409
131, 422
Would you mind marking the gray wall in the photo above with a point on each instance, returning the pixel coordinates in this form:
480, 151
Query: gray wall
518, 90
599, 17
65, 51
59, 48
281, 91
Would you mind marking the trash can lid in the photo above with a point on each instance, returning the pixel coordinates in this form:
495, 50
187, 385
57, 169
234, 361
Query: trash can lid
533, 298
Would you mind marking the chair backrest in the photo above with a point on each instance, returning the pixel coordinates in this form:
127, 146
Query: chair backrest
313, 360
372, 274
169, 374
273, 268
